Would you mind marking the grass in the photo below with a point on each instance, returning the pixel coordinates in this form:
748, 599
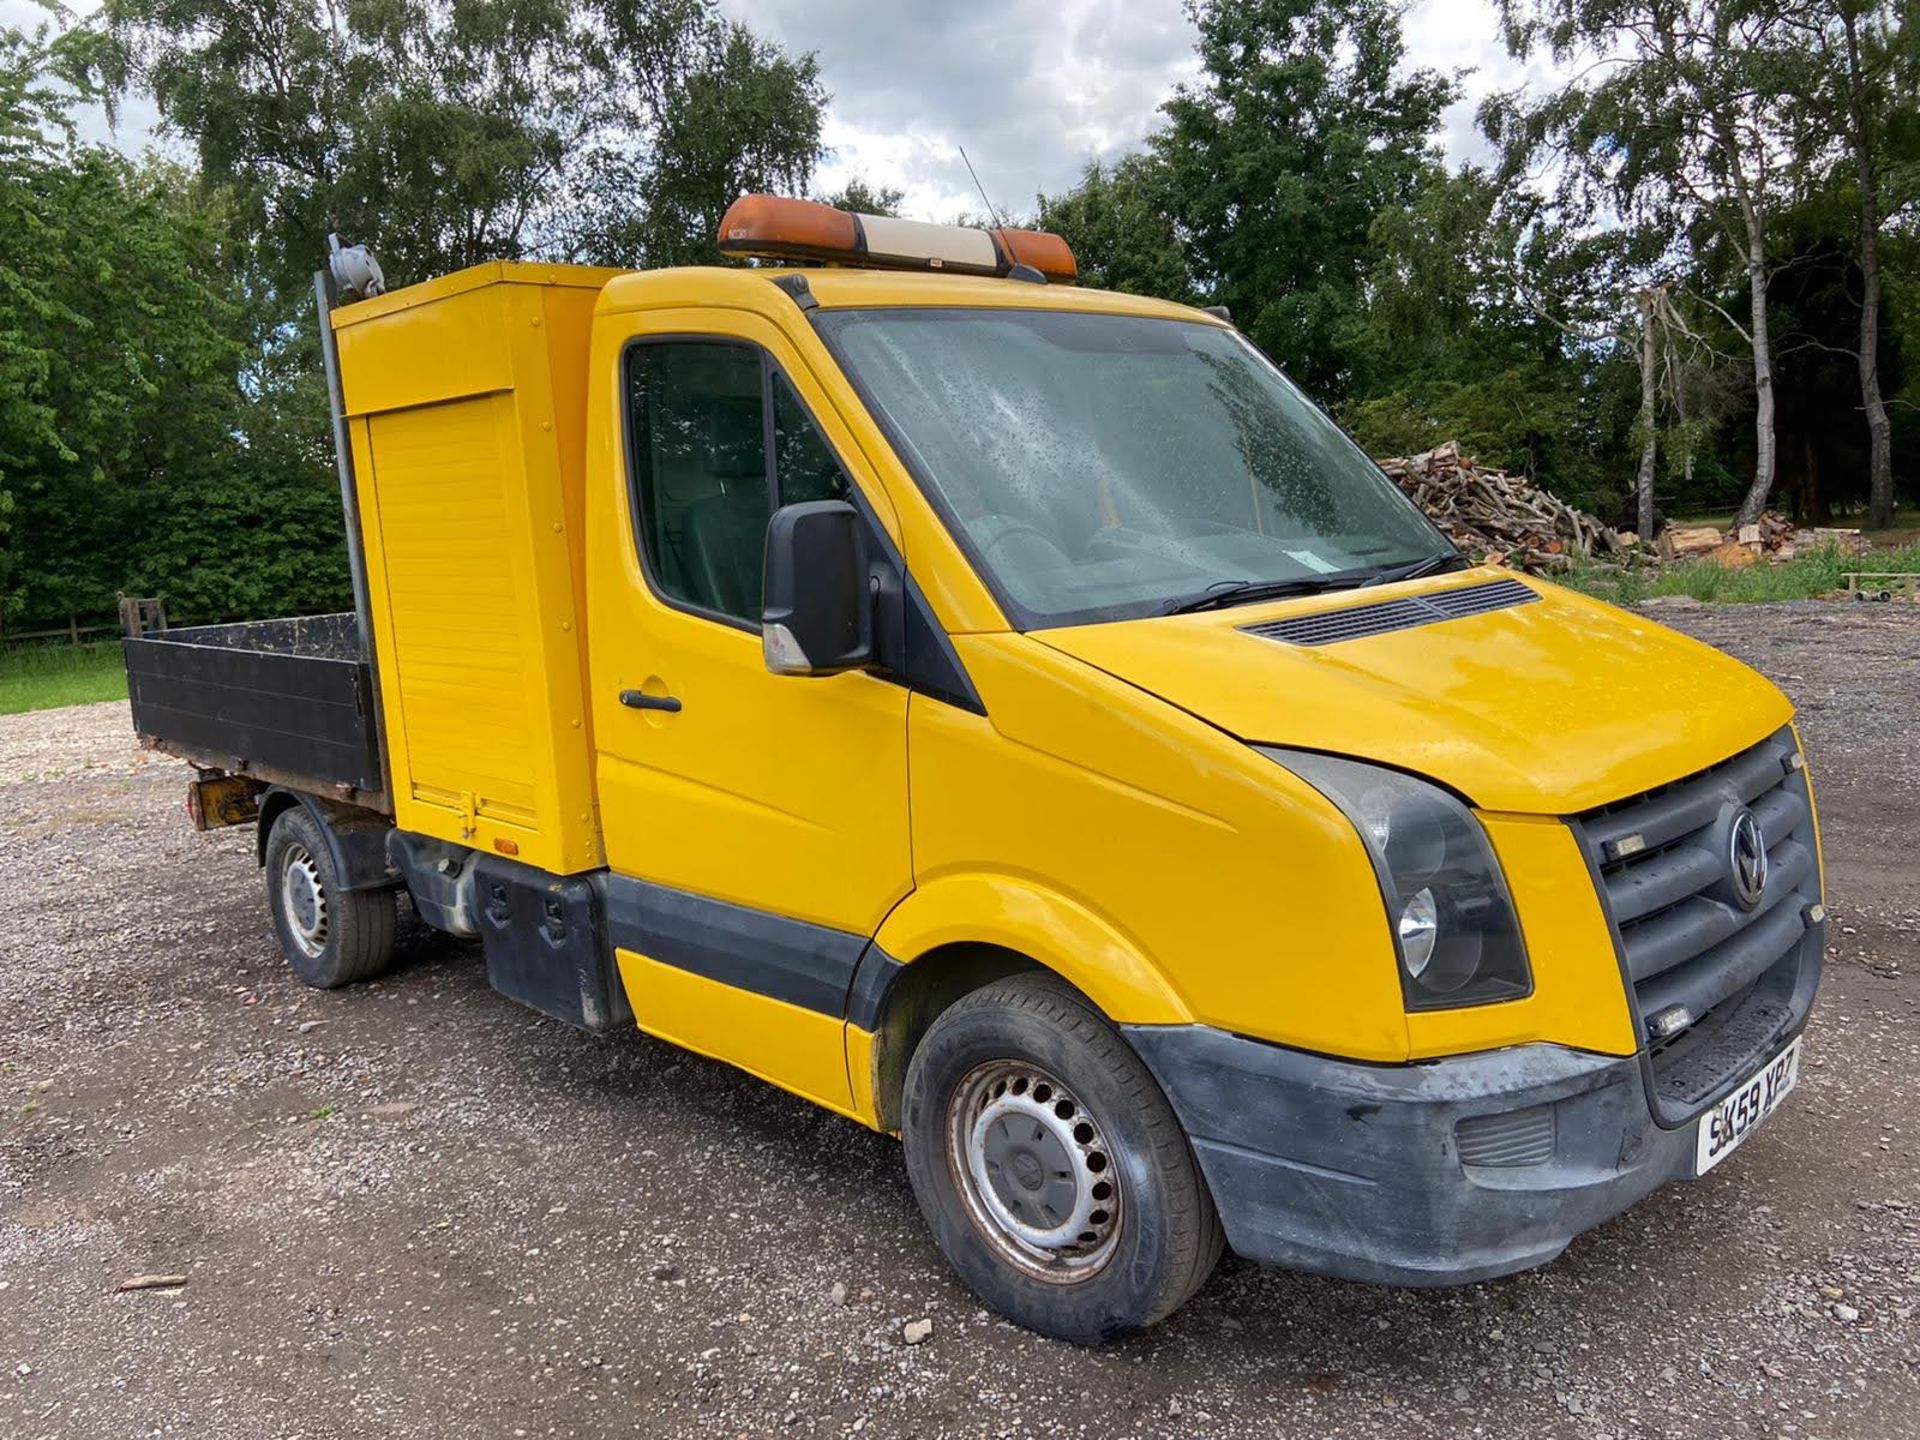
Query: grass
1806, 577
43, 677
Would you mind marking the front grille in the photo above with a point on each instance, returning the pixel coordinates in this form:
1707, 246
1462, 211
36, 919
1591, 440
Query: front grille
1713, 982
1358, 621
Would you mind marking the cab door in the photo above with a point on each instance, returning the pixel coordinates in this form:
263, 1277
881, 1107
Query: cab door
756, 824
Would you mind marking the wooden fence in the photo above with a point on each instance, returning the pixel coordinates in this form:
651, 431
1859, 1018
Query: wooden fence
138, 616
73, 632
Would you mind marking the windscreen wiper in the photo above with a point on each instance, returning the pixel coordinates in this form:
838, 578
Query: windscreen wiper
1414, 569
1246, 592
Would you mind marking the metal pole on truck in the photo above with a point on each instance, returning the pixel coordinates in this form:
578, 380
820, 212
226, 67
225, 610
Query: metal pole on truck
350, 505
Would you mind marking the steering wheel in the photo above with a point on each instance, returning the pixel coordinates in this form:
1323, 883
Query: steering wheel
1106, 541
1010, 530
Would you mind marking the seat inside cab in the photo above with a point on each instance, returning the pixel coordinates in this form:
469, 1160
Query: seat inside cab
697, 443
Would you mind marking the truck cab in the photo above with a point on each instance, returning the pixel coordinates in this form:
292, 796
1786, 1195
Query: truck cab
1014, 717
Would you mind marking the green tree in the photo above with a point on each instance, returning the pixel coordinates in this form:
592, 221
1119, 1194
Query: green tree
84, 265
446, 132
1858, 100
132, 455
1486, 319
1120, 222
1304, 126
33, 127
1826, 451
1676, 127
743, 118
863, 198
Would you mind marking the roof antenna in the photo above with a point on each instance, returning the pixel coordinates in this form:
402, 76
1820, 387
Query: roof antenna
992, 214
1016, 268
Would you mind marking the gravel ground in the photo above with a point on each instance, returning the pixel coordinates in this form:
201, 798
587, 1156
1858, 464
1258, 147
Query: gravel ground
415, 1209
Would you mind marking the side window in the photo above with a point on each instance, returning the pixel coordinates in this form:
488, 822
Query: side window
696, 428
803, 461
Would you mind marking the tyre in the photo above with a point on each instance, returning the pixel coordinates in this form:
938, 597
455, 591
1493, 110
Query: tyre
331, 937
1053, 1173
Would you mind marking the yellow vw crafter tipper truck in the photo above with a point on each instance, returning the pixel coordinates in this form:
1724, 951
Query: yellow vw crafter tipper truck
1011, 716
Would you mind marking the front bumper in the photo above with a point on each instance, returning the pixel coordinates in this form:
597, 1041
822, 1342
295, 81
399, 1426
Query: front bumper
1367, 1172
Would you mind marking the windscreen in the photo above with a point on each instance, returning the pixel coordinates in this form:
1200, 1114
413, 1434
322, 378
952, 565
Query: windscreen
1107, 466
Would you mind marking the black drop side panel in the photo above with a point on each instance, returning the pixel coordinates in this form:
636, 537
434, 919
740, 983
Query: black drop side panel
546, 945
290, 698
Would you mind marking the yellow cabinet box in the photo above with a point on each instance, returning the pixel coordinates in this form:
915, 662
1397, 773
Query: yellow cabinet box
465, 400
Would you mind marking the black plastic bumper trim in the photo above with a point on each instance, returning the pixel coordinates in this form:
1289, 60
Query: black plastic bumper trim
1353, 1170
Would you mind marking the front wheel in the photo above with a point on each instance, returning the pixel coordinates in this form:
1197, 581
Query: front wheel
331, 937
1054, 1175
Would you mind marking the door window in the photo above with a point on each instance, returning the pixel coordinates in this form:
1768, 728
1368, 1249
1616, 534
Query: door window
806, 468
702, 473
698, 450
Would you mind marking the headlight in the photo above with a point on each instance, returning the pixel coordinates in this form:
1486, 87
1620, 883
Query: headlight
1419, 931
1447, 903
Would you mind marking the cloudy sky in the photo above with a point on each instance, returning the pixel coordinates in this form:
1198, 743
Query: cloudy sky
1032, 91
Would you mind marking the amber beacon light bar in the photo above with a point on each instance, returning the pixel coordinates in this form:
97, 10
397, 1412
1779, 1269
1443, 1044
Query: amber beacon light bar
775, 227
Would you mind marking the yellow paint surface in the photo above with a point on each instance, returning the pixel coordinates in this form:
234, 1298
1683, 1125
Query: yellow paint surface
797, 1049
1549, 708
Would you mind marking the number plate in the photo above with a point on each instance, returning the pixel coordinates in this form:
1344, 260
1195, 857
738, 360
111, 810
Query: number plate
1728, 1124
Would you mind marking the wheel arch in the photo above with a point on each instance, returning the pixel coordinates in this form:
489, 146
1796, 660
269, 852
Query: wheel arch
356, 839
959, 933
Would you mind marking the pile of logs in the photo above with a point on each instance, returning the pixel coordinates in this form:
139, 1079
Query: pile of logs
1772, 537
1506, 518
1503, 517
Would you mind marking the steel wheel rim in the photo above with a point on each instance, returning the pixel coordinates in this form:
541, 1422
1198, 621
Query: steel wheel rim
1035, 1171
304, 900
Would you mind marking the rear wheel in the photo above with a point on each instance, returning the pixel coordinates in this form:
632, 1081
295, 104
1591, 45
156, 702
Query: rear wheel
1053, 1173
331, 937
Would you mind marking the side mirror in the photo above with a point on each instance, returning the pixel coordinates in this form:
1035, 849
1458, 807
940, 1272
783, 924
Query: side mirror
817, 616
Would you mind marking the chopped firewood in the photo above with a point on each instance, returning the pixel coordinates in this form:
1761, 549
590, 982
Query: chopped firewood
1681, 540
1506, 519
1774, 537
1767, 534
1501, 517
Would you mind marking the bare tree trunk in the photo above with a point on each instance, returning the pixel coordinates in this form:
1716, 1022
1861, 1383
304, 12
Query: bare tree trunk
1765, 457
1649, 419
1811, 507
1880, 507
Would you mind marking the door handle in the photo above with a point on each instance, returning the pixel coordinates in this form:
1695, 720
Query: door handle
640, 700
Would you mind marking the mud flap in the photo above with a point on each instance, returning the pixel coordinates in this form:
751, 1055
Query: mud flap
546, 946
